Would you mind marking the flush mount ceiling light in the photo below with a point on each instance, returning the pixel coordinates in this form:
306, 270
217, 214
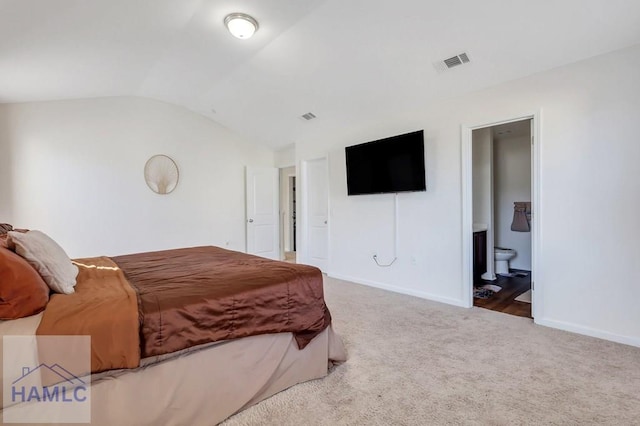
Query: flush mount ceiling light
241, 25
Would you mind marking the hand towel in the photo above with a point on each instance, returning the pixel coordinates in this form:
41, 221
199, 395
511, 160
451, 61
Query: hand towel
520, 222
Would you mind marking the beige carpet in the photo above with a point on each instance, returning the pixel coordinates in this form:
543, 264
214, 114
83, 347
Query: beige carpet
416, 362
290, 256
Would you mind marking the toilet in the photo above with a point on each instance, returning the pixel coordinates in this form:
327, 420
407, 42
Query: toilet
502, 257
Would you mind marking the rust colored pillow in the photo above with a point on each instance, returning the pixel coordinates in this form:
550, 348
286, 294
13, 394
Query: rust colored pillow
22, 291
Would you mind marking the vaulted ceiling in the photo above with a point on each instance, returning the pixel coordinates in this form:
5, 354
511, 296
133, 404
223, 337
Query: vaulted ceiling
342, 60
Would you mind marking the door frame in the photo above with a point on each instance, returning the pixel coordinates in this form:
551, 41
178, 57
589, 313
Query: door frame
291, 188
302, 217
537, 284
285, 193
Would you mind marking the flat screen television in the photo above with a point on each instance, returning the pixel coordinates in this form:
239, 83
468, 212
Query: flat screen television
394, 164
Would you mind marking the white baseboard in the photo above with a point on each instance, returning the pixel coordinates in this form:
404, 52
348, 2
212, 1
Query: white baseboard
587, 331
401, 290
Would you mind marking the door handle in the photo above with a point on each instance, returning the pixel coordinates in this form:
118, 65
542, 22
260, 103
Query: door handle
325, 222
250, 220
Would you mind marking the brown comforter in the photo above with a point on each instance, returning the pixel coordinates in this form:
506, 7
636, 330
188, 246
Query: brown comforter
185, 297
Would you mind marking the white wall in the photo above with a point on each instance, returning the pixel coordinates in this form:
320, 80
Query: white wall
512, 182
286, 156
482, 172
6, 176
589, 200
76, 172
482, 176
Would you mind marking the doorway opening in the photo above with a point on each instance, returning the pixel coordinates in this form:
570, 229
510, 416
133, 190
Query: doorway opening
500, 193
288, 214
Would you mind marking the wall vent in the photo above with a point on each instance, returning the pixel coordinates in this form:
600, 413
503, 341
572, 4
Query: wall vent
308, 116
452, 62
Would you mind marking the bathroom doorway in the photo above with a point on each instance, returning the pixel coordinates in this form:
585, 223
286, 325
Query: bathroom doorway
498, 206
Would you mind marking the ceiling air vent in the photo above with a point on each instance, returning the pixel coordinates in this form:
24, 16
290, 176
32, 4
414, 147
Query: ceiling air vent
451, 62
308, 116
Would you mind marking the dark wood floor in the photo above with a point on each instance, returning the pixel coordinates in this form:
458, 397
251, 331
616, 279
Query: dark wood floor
503, 301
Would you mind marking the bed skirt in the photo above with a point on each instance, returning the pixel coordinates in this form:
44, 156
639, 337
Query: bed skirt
208, 385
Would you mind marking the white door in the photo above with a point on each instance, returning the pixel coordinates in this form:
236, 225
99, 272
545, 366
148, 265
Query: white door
317, 213
263, 226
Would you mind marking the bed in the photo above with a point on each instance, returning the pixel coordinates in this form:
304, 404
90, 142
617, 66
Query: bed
189, 336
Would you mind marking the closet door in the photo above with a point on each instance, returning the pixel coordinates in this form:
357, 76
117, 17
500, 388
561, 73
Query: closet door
262, 205
316, 212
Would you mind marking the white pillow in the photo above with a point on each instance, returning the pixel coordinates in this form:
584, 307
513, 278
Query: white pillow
48, 258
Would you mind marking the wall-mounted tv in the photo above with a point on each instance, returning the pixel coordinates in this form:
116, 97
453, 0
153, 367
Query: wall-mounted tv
394, 164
